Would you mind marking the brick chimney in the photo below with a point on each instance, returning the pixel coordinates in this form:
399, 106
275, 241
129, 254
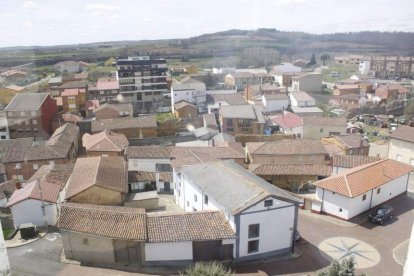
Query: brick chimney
18, 185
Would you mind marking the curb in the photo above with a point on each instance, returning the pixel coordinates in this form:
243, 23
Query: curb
32, 241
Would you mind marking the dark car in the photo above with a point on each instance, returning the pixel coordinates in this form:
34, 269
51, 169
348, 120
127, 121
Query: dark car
381, 214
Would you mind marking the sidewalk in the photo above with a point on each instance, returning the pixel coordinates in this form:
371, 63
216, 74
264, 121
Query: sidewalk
355, 221
18, 241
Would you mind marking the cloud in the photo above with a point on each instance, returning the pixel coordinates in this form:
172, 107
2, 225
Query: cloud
98, 9
9, 14
30, 5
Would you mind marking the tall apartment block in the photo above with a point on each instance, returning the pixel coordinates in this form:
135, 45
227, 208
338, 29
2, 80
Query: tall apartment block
388, 67
142, 82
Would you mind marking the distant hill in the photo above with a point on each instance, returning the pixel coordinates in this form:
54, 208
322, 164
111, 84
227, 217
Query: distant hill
229, 43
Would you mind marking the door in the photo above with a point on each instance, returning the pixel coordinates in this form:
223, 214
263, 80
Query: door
206, 250
227, 252
167, 187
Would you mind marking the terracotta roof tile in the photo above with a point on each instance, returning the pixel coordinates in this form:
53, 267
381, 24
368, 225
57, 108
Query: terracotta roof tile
49, 192
361, 179
194, 155
286, 147
57, 147
149, 152
107, 221
8, 186
404, 133
124, 123
108, 172
105, 141
194, 226
291, 169
287, 120
351, 161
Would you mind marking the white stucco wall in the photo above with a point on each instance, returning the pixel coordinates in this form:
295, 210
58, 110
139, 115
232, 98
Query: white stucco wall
276, 226
4, 259
351, 207
274, 105
169, 251
145, 165
296, 130
401, 151
30, 210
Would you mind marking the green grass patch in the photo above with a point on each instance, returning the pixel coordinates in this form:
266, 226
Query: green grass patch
345, 71
164, 117
7, 232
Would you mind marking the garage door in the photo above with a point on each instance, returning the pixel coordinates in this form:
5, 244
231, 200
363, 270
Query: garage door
206, 250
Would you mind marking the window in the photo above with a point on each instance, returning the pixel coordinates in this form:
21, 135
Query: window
340, 210
18, 166
163, 167
35, 166
20, 177
206, 199
51, 162
33, 113
188, 203
254, 230
364, 197
179, 193
321, 130
85, 241
378, 190
195, 198
194, 209
398, 157
253, 246
268, 202
34, 122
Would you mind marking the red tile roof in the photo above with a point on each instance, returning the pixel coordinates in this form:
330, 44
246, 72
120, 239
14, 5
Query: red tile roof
287, 120
72, 92
108, 221
190, 226
286, 147
361, 179
49, 192
404, 133
8, 186
105, 141
291, 169
351, 161
109, 172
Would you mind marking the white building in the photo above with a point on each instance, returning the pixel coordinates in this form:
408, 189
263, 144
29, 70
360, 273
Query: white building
286, 67
149, 165
275, 102
301, 99
311, 82
401, 146
357, 190
288, 123
364, 66
39, 200
68, 66
189, 90
4, 129
4, 258
263, 216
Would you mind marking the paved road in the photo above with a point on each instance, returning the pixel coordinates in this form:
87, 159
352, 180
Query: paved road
314, 230
42, 257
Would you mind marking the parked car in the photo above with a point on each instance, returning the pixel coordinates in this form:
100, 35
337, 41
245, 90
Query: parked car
381, 214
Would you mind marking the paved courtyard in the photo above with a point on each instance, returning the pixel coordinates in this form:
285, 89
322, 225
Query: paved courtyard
42, 257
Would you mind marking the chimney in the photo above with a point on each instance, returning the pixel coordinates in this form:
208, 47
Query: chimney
18, 185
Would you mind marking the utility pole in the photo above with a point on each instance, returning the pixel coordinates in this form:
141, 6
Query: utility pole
43, 203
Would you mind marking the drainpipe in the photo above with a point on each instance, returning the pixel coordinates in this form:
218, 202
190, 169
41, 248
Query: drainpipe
370, 202
323, 195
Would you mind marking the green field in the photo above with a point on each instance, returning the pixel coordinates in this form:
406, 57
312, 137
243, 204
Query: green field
344, 70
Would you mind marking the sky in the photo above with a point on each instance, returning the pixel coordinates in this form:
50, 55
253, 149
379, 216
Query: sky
57, 22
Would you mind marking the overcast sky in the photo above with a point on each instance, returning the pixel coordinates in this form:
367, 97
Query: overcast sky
53, 22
